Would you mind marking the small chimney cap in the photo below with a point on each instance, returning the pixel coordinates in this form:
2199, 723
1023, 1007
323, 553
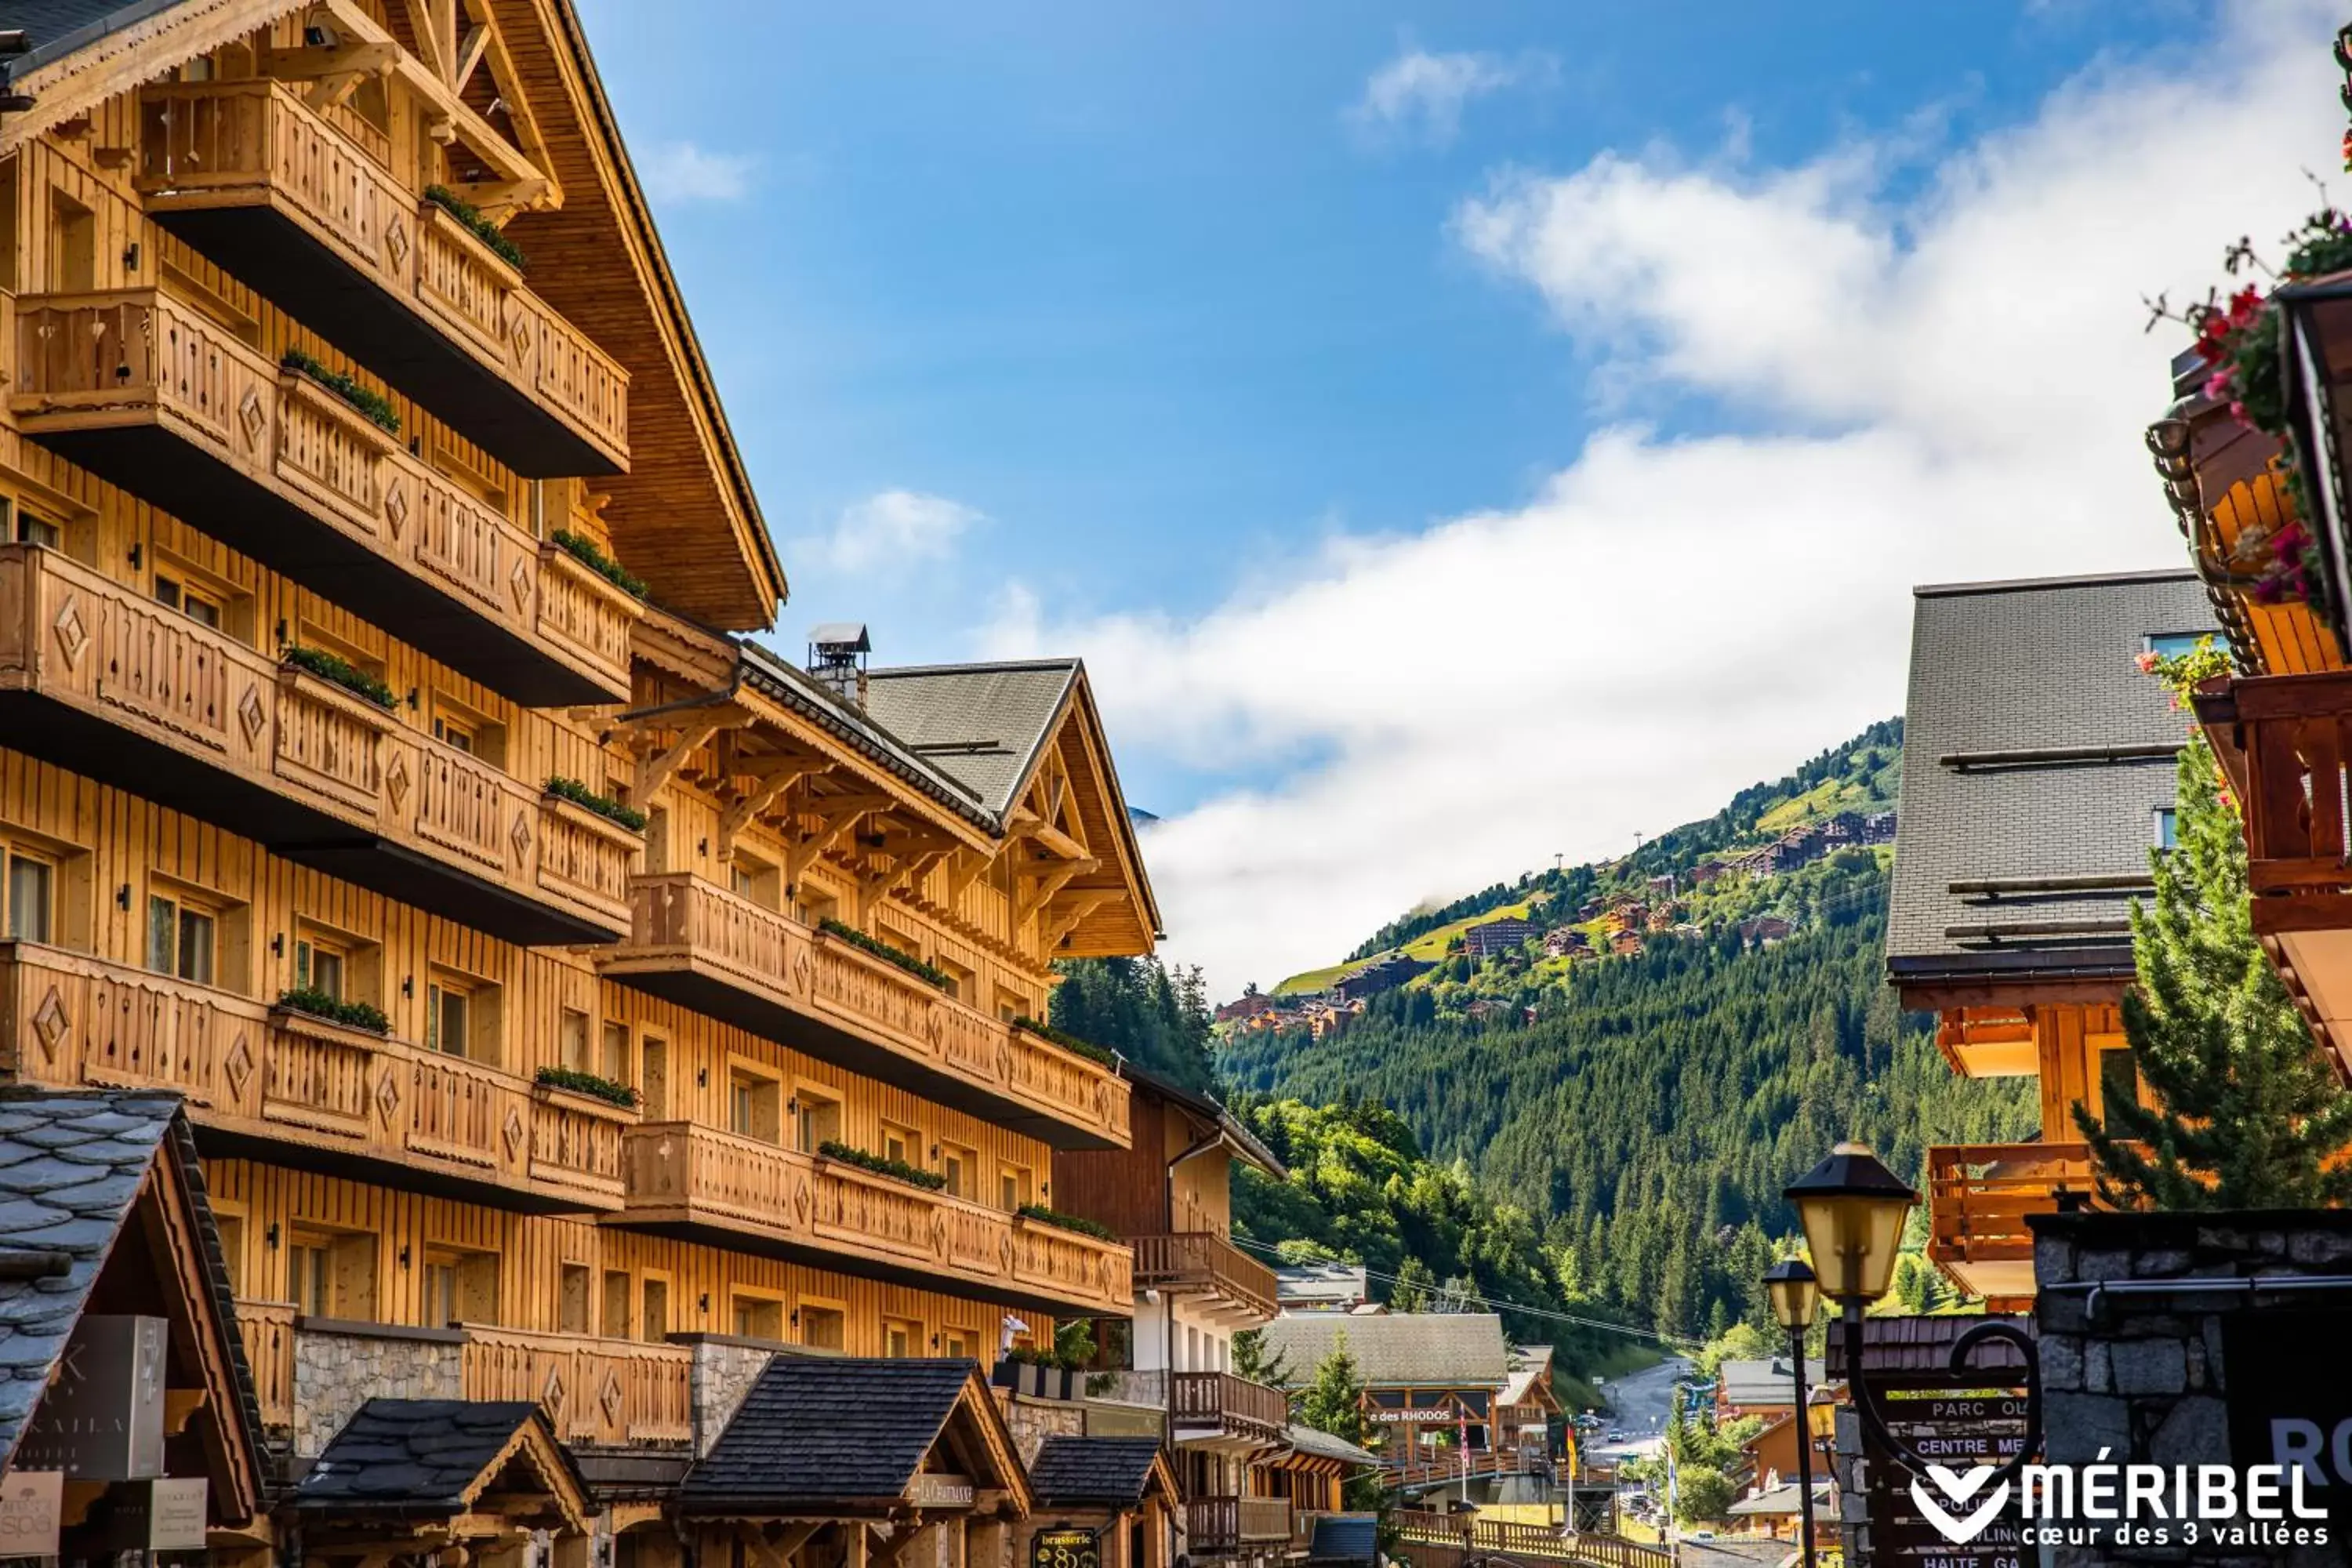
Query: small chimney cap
847, 636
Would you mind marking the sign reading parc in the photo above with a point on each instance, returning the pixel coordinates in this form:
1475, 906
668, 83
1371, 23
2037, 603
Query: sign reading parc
2291, 1403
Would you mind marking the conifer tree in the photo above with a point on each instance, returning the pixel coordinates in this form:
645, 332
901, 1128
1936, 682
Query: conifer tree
2247, 1113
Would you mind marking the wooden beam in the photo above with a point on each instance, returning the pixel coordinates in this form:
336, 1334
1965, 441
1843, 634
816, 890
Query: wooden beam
836, 815
654, 769
469, 55
1051, 880
448, 116
1060, 922
372, 58
772, 782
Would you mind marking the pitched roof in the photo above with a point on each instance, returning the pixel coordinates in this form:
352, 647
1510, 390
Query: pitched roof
1070, 1472
56, 27
982, 723
2035, 755
1423, 1350
1764, 1383
836, 1429
1531, 1375
431, 1458
1317, 1444
71, 1167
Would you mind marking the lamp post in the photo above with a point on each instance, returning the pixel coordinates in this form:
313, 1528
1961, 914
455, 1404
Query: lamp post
1795, 1294
1852, 1210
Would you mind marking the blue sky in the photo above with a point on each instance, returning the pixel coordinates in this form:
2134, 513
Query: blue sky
1163, 335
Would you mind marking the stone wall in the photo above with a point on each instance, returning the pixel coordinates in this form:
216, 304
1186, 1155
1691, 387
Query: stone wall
725, 1368
2142, 1374
1033, 1421
339, 1366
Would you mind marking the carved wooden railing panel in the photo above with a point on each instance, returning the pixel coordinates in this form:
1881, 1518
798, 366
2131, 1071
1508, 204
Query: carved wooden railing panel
682, 1173
1222, 1399
267, 1328
1212, 1523
678, 921
330, 742
1201, 1260
598, 1391
1263, 1519
584, 856
92, 357
74, 1020
256, 143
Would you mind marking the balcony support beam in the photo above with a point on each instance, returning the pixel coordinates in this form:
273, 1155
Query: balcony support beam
836, 815
771, 778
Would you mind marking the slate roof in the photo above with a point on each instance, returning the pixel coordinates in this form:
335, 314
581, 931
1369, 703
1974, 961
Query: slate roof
1419, 1350
827, 1429
2014, 670
70, 1167
1751, 1384
1072, 1471
1528, 1365
980, 723
1317, 1444
416, 1457
56, 27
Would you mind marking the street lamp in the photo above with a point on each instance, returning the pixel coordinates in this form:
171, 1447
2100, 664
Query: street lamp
1853, 1211
1795, 1294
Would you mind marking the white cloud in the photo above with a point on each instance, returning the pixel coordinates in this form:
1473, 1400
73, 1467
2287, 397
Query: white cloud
892, 527
1423, 94
1946, 386
681, 172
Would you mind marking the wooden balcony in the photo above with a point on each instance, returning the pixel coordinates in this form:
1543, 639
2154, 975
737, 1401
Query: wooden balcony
699, 1183
705, 948
606, 1392
1226, 1524
99, 679
305, 212
1219, 1407
2284, 744
146, 392
300, 1091
1201, 1264
1978, 1195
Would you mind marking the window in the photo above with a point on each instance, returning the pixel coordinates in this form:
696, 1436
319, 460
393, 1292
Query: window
319, 966
32, 897
231, 1227
2168, 827
819, 1119
571, 1039
460, 1287
2173, 645
571, 1298
461, 729
960, 980
21, 524
814, 906
903, 1144
448, 1016
456, 733
752, 1102
2118, 1080
824, 1328
73, 245
655, 1317
901, 1338
653, 1090
758, 1319
180, 939
331, 1274
754, 879
959, 1343
961, 1168
616, 1304
1015, 1187
194, 603
616, 1062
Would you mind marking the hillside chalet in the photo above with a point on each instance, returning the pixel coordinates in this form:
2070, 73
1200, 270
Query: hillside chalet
1493, 939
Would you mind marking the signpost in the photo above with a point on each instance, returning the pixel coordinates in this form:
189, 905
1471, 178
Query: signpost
102, 1419
1959, 1428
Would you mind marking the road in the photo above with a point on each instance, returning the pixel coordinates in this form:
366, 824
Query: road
1640, 1401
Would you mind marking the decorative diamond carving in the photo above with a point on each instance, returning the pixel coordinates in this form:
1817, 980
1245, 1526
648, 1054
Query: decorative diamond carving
72, 636
1004, 1253
395, 241
252, 418
518, 582
387, 1095
802, 1200
935, 1024
939, 1232
519, 332
395, 780
1004, 1060
513, 1133
553, 1394
251, 714
520, 835
801, 968
238, 1066
51, 1022
611, 1397
396, 505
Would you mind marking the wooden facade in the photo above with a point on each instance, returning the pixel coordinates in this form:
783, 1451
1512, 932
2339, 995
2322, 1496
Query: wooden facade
559, 987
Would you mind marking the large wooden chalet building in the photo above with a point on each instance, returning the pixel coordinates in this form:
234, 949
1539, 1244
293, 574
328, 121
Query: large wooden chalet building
564, 1001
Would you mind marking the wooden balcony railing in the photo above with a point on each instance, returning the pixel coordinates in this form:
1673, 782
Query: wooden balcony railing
112, 684
598, 1391
144, 390
1226, 1523
1232, 1406
1201, 1262
318, 1093
737, 1190
304, 211
1264, 1517
1452, 1464
1472, 1536
710, 950
1978, 1195
267, 1328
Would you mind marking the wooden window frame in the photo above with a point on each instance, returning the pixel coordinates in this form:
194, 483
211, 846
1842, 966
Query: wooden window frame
740, 1296
744, 1072
668, 1281
807, 1304
805, 1089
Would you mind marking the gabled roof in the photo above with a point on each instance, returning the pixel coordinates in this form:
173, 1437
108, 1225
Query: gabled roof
1530, 1377
851, 1432
1400, 1350
430, 1459
2035, 755
1317, 1444
986, 724
1110, 1472
1751, 1384
73, 1168
1211, 1110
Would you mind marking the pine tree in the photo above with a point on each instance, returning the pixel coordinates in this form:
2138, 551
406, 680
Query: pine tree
2247, 1113
1333, 1403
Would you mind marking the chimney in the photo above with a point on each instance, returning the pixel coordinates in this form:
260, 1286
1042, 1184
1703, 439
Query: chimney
837, 658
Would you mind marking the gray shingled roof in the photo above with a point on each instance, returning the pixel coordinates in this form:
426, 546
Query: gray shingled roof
820, 1429
71, 1165
1317, 1444
1070, 1472
56, 27
2009, 670
980, 724
413, 1456
1748, 1384
1418, 1350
